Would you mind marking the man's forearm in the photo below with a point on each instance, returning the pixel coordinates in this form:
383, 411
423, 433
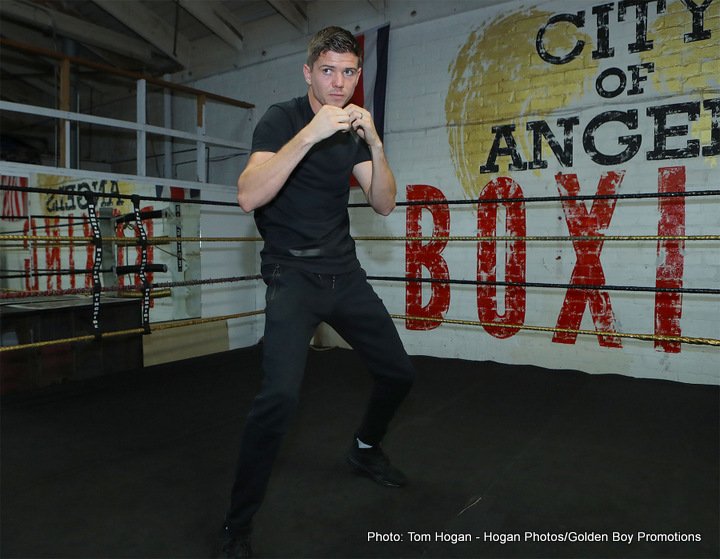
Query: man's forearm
259, 184
383, 190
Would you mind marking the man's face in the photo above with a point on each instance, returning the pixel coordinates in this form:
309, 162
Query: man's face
332, 79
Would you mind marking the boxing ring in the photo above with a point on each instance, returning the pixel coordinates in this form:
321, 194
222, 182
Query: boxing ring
504, 460
147, 290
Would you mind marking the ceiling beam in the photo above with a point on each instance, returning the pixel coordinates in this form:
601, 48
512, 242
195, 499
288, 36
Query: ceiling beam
150, 27
218, 19
21, 71
22, 86
294, 11
77, 29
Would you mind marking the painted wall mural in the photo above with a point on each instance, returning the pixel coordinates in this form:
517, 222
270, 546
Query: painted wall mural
56, 208
602, 100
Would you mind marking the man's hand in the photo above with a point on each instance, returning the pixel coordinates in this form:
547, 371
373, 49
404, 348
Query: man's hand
328, 120
362, 122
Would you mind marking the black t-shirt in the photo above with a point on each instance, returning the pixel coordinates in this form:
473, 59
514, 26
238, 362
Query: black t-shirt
307, 224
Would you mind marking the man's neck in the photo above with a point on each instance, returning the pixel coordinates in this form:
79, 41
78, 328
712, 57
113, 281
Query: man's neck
315, 105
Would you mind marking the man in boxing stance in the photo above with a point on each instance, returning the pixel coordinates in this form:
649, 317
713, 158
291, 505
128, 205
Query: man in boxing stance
297, 183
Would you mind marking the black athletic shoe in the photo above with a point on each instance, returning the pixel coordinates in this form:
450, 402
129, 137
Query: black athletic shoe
236, 547
375, 464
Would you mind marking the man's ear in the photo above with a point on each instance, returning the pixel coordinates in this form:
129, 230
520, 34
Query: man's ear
307, 73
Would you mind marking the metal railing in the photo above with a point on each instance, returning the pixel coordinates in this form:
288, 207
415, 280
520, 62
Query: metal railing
66, 117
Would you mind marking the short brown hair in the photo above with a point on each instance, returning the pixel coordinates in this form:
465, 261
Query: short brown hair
335, 39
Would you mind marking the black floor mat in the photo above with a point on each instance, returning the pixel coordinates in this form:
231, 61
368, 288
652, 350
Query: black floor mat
503, 461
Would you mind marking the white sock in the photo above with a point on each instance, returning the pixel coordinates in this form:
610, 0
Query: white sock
362, 444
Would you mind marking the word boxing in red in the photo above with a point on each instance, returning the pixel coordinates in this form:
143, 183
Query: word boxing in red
588, 270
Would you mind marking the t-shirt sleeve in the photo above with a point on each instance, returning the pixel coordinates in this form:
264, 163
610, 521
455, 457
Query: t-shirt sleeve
273, 131
363, 152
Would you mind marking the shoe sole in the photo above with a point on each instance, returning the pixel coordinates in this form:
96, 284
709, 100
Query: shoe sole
361, 470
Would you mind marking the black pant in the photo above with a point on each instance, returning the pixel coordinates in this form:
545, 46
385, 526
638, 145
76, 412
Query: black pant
296, 302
